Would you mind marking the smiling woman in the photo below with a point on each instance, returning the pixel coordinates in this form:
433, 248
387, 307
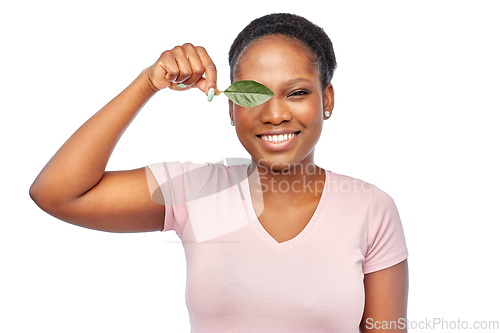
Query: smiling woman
276, 245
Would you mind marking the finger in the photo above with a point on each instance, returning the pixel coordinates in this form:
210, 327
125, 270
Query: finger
183, 71
210, 80
164, 65
196, 66
169, 65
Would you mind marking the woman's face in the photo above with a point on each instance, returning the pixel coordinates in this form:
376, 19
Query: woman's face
297, 109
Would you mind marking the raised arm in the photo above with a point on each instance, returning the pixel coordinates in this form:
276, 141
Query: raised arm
74, 187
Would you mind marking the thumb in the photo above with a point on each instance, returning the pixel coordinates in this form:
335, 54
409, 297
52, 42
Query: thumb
209, 88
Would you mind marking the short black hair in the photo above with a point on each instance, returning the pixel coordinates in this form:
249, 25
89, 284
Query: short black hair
290, 25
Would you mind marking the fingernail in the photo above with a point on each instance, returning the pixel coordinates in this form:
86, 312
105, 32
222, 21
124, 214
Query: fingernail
180, 85
211, 93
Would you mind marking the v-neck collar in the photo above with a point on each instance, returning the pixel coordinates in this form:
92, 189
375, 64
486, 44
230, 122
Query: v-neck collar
263, 232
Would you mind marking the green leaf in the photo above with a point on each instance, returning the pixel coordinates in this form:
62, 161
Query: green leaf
248, 93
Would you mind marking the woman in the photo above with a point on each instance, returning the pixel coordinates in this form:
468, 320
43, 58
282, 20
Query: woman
279, 245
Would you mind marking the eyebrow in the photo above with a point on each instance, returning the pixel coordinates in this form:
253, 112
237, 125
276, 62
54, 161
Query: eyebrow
296, 80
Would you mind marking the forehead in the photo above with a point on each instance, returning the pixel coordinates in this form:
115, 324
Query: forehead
276, 54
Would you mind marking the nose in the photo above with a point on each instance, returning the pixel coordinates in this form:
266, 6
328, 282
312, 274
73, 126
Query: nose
275, 112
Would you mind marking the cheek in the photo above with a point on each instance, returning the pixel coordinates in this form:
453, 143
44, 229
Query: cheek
310, 114
244, 123
244, 118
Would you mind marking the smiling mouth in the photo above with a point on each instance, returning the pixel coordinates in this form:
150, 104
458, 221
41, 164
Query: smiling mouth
278, 138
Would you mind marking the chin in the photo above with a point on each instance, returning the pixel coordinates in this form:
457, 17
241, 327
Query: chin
275, 163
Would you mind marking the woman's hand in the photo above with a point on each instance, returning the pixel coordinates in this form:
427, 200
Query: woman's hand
184, 65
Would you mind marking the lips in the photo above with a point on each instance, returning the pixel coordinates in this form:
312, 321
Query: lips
278, 142
278, 134
282, 131
278, 138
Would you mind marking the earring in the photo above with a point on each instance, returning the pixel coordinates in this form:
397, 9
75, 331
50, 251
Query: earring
327, 114
232, 122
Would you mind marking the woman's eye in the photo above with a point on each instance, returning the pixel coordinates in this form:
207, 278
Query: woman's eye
298, 93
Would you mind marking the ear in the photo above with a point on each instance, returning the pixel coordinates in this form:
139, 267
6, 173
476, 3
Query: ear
328, 99
231, 109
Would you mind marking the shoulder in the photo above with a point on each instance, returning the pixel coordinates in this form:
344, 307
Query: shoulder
347, 183
352, 186
349, 189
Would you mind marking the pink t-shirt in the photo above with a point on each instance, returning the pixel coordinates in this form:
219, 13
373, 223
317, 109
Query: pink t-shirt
240, 279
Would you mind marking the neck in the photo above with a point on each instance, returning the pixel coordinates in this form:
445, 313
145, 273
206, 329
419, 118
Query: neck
299, 179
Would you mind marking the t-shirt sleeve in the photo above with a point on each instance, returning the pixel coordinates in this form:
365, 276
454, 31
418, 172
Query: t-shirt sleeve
386, 240
172, 182
201, 196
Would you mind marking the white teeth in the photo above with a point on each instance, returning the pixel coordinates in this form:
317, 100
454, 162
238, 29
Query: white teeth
278, 138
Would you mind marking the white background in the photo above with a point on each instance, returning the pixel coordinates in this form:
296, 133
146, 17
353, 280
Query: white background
417, 104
